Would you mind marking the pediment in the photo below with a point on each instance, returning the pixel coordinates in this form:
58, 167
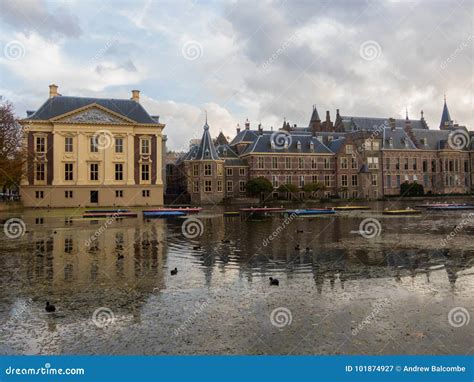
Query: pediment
92, 114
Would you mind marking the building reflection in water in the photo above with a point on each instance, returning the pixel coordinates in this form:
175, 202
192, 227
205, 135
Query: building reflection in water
132, 254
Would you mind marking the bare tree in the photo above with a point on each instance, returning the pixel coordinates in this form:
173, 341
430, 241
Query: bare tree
12, 154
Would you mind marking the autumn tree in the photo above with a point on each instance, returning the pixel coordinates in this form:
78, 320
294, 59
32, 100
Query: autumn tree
12, 154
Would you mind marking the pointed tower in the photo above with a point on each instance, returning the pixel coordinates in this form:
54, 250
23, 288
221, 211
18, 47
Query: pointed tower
205, 172
446, 122
315, 121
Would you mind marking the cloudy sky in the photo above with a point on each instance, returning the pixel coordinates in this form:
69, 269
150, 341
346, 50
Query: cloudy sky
265, 60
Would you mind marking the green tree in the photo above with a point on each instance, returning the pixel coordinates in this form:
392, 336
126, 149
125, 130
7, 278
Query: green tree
289, 187
411, 189
257, 186
313, 188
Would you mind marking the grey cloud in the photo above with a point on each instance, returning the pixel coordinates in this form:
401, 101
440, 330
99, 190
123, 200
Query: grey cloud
34, 16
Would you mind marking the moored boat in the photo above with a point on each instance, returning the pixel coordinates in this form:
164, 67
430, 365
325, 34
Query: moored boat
309, 212
408, 211
457, 207
262, 209
120, 210
231, 213
350, 208
110, 214
189, 210
163, 214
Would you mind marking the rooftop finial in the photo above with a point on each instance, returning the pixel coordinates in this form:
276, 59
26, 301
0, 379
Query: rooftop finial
406, 113
422, 114
206, 126
206, 115
444, 97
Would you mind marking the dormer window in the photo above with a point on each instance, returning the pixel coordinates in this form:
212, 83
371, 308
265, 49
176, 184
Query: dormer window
311, 146
206, 153
298, 145
390, 142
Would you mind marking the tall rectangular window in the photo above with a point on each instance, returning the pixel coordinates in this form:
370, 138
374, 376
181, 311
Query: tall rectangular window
405, 164
40, 145
94, 145
354, 163
241, 186
415, 163
118, 171
208, 169
287, 163
94, 171
195, 170
327, 163
300, 162
387, 163
355, 180
229, 171
242, 171
374, 179
39, 171
219, 186
230, 186
208, 185
119, 145
145, 172
145, 147
274, 162
260, 162
314, 163
68, 145
344, 180
196, 186
68, 171
344, 163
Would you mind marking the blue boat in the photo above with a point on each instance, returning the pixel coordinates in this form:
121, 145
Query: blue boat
162, 214
456, 207
309, 212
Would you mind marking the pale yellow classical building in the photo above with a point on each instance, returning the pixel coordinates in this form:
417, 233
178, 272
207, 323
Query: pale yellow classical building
92, 152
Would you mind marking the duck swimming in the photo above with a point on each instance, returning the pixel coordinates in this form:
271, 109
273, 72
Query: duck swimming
49, 307
274, 281
174, 272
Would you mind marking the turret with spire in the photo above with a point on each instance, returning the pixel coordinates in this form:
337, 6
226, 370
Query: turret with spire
446, 122
315, 121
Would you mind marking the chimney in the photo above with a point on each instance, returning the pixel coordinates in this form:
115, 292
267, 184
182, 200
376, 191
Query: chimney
391, 122
135, 95
328, 118
337, 113
247, 124
53, 90
238, 128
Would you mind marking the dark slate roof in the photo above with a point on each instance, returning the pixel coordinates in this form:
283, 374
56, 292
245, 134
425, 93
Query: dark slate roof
430, 139
206, 149
245, 135
221, 139
225, 151
336, 144
399, 138
60, 105
263, 144
372, 123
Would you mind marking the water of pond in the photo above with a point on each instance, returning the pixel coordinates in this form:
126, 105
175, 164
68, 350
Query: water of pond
403, 291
